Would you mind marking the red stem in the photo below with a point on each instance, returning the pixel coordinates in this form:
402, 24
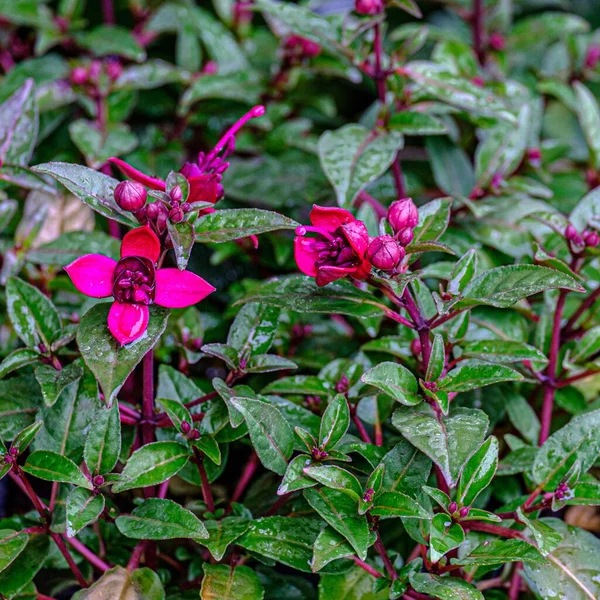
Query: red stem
94, 560
206, 491
587, 303
387, 563
479, 30
136, 555
246, 477
148, 407
574, 378
515, 583
108, 12
365, 567
364, 435
493, 529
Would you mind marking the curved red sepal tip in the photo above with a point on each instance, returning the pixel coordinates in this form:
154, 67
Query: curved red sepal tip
92, 275
142, 242
180, 289
152, 182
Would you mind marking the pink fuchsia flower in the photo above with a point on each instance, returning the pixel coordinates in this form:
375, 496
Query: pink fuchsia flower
135, 283
338, 250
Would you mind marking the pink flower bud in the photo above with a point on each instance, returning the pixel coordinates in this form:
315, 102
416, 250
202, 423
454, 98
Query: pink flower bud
497, 41
79, 76
152, 211
405, 237
592, 57
591, 239
452, 507
478, 81
194, 434
368, 7
13, 451
572, 235
368, 495
98, 481
130, 195
385, 253
403, 214
534, 156
176, 215
464, 512
185, 427
415, 347
114, 69
95, 70
176, 194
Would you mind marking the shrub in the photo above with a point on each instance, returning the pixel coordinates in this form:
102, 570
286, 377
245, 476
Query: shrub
301, 302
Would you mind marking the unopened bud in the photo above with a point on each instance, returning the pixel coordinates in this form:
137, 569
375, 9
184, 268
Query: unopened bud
572, 235
301, 47
341, 387
176, 215
534, 156
95, 70
452, 507
497, 41
13, 451
403, 214
131, 195
368, 496
79, 76
405, 237
415, 347
185, 427
592, 57
114, 69
385, 253
478, 81
591, 239
98, 481
464, 512
368, 7
176, 194
152, 211
194, 434
318, 454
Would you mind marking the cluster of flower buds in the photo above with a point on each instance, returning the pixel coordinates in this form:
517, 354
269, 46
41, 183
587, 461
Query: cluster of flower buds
368, 495
313, 403
385, 253
369, 7
297, 48
90, 75
343, 385
11, 456
577, 242
318, 454
189, 431
534, 157
403, 217
463, 513
592, 57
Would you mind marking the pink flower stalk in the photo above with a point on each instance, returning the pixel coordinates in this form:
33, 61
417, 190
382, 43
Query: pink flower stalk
338, 251
135, 283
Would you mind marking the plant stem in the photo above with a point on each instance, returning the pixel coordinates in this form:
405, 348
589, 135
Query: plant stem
148, 406
364, 435
493, 529
94, 560
246, 477
515, 583
550, 383
569, 380
387, 563
67, 555
365, 567
587, 303
478, 23
206, 491
108, 12
281, 501
136, 555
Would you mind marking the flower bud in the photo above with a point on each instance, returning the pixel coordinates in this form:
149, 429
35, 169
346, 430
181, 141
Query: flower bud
368, 495
385, 253
452, 507
79, 76
497, 41
368, 7
130, 195
464, 512
176, 215
478, 81
572, 235
405, 237
13, 451
185, 427
95, 70
534, 156
592, 57
114, 69
194, 434
176, 194
152, 211
98, 481
403, 214
591, 239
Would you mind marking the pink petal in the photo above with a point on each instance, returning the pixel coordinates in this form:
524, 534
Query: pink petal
327, 274
152, 182
363, 270
92, 275
142, 242
203, 188
179, 289
357, 235
305, 256
329, 218
127, 322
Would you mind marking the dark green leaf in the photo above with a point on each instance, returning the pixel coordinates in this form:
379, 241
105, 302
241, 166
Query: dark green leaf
103, 441
21, 572
51, 466
472, 374
53, 382
444, 588
223, 582
83, 508
12, 544
478, 472
499, 552
396, 504
223, 533
394, 380
334, 423
445, 535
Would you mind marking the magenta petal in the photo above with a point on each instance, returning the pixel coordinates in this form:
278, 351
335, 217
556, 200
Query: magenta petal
127, 322
305, 255
357, 235
330, 218
178, 289
152, 182
328, 273
92, 275
141, 241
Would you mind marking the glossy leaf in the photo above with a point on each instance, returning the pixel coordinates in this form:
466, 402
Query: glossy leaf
51, 466
334, 423
103, 441
471, 375
230, 583
394, 380
445, 535
223, 533
83, 508
478, 472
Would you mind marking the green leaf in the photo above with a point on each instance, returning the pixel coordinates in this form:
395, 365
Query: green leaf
463, 272
19, 126
110, 362
310, 385
587, 345
301, 294
31, 313
444, 588
336, 478
406, 469
472, 374
234, 224
97, 145
12, 544
444, 535
92, 187
448, 443
437, 359
588, 114
329, 546
334, 423
103, 441
572, 568
230, 583
20, 573
396, 504
576, 441
271, 435
223, 533
83, 508
151, 74
159, 519
394, 380
176, 411
284, 539
209, 447
118, 582
433, 221
24, 437
353, 156
499, 552
253, 330
53, 382
504, 286
478, 472
19, 358
587, 211
354, 584
340, 512
182, 236
51, 466
451, 166
268, 363
294, 478
502, 351
523, 417
226, 353
106, 40
152, 464
416, 123
546, 538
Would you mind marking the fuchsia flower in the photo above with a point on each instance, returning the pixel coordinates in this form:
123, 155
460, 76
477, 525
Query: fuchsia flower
338, 251
135, 283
